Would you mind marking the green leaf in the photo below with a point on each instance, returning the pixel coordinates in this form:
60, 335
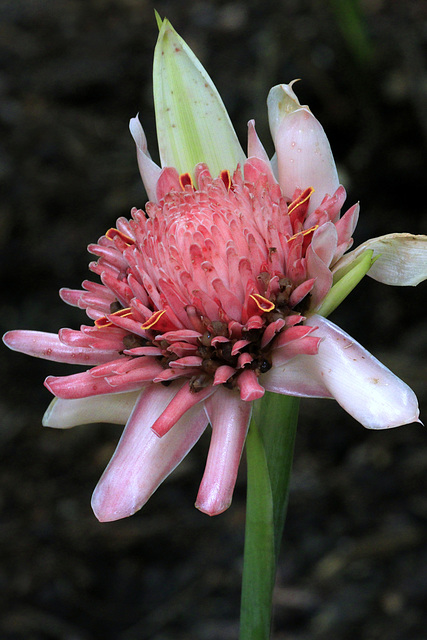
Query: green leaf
192, 123
345, 280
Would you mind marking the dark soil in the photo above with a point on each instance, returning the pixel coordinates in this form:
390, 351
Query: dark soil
354, 559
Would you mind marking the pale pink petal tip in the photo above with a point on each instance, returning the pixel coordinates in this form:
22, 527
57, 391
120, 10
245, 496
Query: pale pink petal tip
113, 408
214, 503
229, 417
142, 460
48, 346
255, 146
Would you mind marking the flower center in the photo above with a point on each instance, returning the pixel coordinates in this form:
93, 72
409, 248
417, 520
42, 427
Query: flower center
207, 283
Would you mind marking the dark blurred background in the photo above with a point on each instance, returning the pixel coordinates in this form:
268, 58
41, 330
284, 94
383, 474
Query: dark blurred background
354, 559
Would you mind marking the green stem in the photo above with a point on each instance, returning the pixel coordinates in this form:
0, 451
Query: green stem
269, 452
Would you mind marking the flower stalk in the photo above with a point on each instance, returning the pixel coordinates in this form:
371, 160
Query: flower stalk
269, 455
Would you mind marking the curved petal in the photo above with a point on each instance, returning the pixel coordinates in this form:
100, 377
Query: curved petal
316, 267
113, 408
304, 155
142, 460
402, 258
48, 346
324, 242
345, 227
363, 386
148, 169
294, 378
183, 400
229, 417
84, 384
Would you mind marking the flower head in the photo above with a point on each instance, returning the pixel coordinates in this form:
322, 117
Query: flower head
215, 293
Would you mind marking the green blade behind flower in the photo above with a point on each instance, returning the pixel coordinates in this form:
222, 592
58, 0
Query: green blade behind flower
345, 280
192, 123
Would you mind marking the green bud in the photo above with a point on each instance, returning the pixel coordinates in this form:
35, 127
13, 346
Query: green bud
192, 123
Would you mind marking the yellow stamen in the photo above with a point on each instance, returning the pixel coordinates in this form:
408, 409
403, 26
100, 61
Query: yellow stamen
305, 195
185, 179
103, 322
225, 177
115, 233
262, 303
303, 233
153, 320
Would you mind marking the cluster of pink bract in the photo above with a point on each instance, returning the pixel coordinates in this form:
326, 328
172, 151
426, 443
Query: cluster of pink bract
203, 287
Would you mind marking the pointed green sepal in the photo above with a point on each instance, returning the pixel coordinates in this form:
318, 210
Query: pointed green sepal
158, 19
192, 123
345, 280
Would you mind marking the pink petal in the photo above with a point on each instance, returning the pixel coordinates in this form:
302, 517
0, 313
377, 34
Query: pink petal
309, 345
168, 181
304, 155
146, 372
345, 228
322, 275
292, 333
255, 146
324, 242
271, 330
229, 417
293, 342
142, 460
49, 347
110, 340
186, 361
83, 385
223, 373
301, 291
250, 388
182, 401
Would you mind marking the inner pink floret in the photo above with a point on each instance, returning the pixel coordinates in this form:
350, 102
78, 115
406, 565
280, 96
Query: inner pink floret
204, 286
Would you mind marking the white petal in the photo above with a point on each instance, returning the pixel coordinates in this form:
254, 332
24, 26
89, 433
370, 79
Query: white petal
142, 460
294, 378
148, 169
114, 408
363, 386
402, 258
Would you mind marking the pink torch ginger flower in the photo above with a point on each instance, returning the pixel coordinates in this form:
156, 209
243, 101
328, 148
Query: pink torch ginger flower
214, 294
